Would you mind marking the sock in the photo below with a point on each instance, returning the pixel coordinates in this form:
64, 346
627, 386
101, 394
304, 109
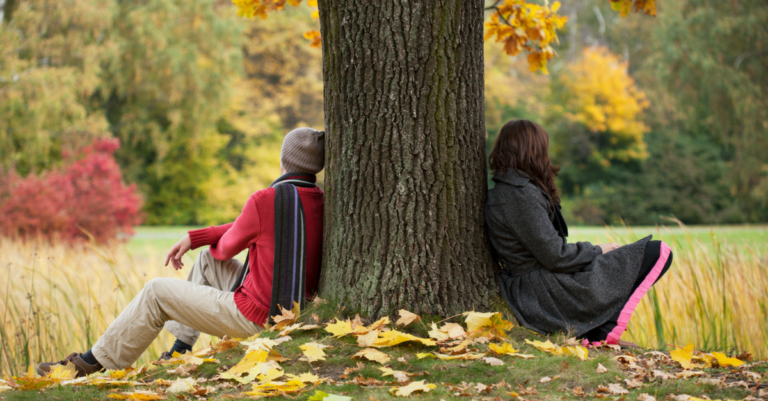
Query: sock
180, 347
89, 358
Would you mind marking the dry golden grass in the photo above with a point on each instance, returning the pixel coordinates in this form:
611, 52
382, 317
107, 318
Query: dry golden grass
715, 295
59, 299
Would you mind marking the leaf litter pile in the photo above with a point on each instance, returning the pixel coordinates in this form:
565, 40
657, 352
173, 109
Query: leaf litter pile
484, 358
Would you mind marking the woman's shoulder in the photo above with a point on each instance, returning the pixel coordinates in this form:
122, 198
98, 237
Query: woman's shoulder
515, 186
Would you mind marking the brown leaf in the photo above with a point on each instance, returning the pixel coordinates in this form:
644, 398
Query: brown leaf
601, 368
406, 318
369, 382
616, 389
634, 383
493, 361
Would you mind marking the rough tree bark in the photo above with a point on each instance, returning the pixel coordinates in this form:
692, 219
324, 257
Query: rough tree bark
405, 167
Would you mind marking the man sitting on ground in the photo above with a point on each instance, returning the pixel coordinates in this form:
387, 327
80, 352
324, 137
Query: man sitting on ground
282, 228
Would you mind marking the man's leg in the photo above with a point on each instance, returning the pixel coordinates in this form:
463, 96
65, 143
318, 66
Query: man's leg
199, 307
213, 273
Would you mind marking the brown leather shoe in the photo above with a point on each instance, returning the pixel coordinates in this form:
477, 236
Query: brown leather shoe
82, 367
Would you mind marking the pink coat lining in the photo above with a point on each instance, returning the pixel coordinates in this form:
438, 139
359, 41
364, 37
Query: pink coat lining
634, 300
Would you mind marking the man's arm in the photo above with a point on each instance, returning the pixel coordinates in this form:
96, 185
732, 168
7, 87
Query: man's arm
239, 234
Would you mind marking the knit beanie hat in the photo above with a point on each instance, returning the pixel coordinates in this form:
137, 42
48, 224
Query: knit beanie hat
303, 151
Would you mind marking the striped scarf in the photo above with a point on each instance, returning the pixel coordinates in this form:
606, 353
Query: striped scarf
288, 275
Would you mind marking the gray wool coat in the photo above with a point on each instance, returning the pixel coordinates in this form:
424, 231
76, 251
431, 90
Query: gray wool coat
550, 284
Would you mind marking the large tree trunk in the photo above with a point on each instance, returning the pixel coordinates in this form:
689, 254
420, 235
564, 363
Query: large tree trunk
405, 158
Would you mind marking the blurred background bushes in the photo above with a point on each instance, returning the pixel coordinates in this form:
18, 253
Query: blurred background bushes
649, 117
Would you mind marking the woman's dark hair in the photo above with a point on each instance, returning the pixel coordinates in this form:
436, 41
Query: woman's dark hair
523, 145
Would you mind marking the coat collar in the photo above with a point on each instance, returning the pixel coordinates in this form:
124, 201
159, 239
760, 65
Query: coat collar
519, 179
513, 177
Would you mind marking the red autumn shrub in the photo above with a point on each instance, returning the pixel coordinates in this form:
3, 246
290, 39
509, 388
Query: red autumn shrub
87, 195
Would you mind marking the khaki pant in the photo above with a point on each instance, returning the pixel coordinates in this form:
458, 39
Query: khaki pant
203, 303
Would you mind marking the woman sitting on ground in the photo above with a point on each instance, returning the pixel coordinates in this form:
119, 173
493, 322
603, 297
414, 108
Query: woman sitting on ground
551, 285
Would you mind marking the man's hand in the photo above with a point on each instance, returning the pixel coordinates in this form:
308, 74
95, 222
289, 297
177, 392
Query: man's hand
609, 247
177, 251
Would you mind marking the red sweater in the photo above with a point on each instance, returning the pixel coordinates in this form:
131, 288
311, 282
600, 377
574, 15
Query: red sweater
255, 229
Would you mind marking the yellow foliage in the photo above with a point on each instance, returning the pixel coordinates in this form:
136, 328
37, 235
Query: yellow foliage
624, 6
526, 26
602, 96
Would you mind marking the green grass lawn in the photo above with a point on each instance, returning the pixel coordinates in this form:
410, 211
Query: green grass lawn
157, 240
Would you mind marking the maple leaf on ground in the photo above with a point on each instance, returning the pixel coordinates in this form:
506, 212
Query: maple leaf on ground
305, 378
405, 391
367, 340
444, 357
660, 374
313, 352
394, 337
616, 389
645, 397
547, 346
62, 372
438, 334
31, 381
286, 317
504, 348
493, 361
398, 375
340, 328
725, 361
137, 396
683, 356
601, 368
274, 388
689, 373
248, 366
373, 355
634, 383
182, 386
406, 318
323, 396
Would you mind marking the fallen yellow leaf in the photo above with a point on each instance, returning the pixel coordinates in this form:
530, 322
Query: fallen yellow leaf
313, 352
725, 361
415, 386
373, 355
137, 396
444, 357
394, 337
397, 374
683, 356
305, 378
186, 385
367, 340
437, 334
275, 388
340, 328
504, 348
476, 321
